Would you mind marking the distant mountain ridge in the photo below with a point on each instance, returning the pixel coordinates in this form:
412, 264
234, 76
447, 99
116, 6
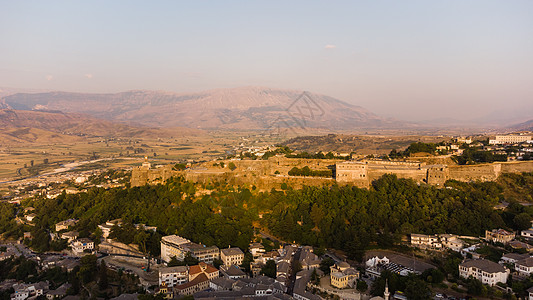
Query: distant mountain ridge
237, 108
78, 125
525, 126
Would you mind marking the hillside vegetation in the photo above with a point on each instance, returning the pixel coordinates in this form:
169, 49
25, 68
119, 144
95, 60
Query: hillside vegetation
340, 217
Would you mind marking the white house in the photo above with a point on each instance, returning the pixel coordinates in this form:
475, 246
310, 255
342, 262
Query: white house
486, 271
231, 256
80, 245
527, 233
525, 266
425, 241
173, 275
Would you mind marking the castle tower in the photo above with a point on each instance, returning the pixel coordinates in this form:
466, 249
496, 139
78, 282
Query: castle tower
146, 164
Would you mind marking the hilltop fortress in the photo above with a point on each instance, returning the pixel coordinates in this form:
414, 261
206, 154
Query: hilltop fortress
273, 173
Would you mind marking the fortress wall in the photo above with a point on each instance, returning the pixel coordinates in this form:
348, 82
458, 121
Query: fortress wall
261, 172
481, 172
385, 163
437, 175
517, 167
284, 165
418, 175
261, 182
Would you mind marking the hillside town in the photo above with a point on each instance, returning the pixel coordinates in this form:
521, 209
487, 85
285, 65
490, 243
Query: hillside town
177, 266
291, 271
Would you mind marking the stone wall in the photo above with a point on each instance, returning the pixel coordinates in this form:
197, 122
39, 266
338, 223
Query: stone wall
480, 172
262, 173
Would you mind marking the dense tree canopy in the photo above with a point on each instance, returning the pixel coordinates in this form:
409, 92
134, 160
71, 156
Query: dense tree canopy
341, 217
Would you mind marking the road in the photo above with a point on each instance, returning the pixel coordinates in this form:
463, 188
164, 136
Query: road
147, 279
292, 277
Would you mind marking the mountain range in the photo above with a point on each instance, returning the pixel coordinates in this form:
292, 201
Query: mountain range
20, 126
245, 108
237, 108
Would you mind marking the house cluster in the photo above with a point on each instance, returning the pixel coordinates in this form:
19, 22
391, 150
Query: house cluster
78, 245
22, 291
440, 241
491, 273
186, 280
508, 238
230, 281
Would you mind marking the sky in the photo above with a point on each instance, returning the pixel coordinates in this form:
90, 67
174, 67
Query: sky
411, 60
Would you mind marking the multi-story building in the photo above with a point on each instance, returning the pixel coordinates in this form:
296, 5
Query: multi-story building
342, 275
80, 245
451, 241
64, 225
524, 266
176, 246
171, 247
256, 249
231, 256
425, 241
203, 253
172, 276
510, 139
199, 277
69, 235
486, 271
499, 236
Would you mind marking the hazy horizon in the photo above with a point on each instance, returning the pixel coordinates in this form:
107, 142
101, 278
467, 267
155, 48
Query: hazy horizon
413, 60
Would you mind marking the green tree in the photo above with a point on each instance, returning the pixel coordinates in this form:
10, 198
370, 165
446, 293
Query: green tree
362, 286
232, 166
269, 269
325, 264
417, 289
88, 268
103, 282
522, 221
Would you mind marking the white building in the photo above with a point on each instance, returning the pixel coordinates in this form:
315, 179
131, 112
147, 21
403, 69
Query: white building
170, 247
527, 233
232, 256
257, 250
24, 290
176, 246
80, 245
452, 242
486, 271
64, 225
524, 266
173, 275
510, 139
425, 241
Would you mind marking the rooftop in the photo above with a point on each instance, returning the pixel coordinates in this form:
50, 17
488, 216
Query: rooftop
527, 262
484, 265
174, 239
178, 269
232, 251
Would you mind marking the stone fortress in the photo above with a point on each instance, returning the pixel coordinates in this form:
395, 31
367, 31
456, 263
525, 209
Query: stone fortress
272, 173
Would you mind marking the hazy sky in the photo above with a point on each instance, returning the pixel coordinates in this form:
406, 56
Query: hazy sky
412, 60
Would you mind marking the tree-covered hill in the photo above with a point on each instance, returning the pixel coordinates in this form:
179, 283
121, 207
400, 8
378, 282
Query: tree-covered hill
341, 217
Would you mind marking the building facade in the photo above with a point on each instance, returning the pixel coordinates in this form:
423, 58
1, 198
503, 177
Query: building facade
486, 271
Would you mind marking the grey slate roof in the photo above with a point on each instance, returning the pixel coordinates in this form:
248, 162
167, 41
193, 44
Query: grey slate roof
483, 264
